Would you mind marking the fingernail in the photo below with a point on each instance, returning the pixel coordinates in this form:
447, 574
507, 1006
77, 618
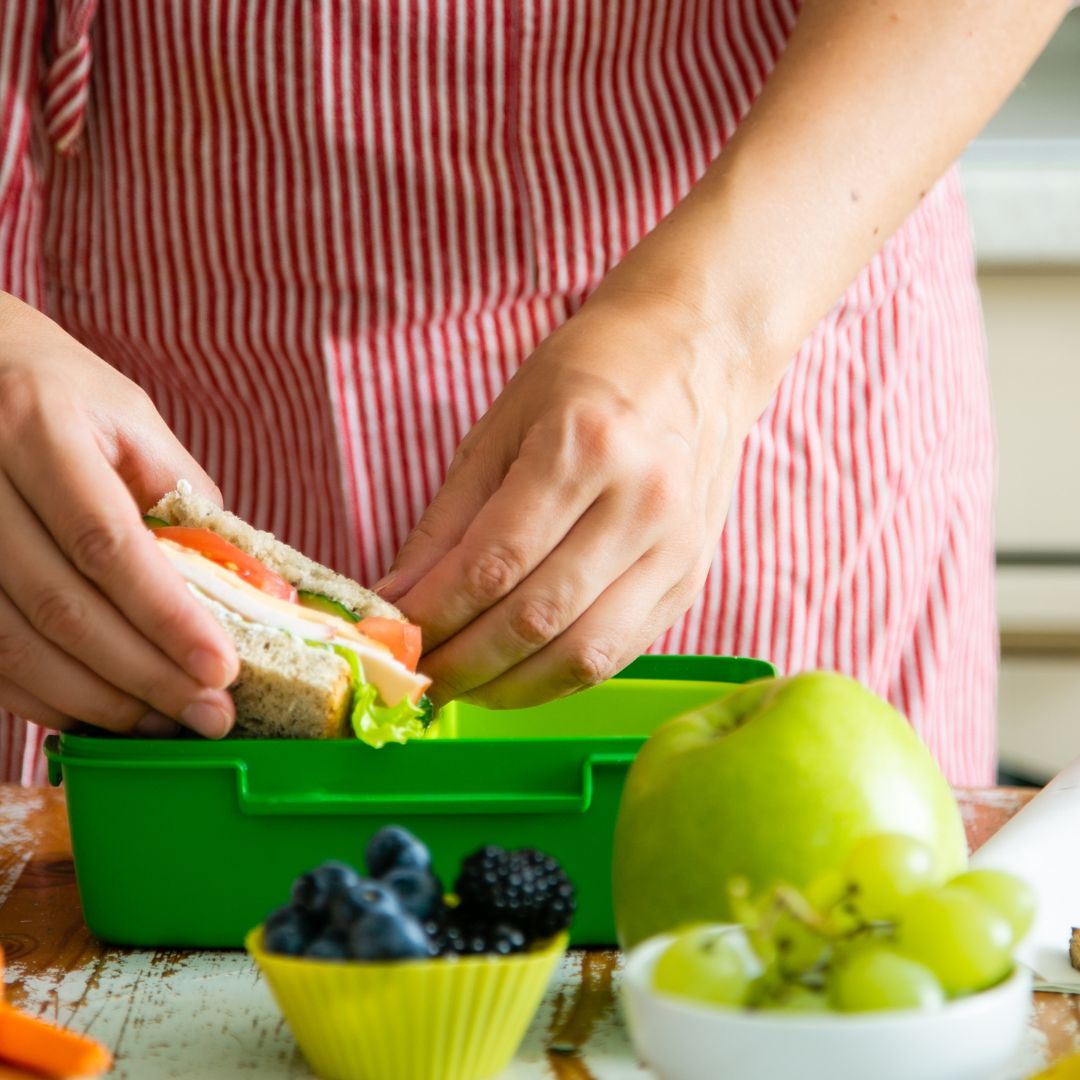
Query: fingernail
206, 718
392, 587
155, 725
209, 668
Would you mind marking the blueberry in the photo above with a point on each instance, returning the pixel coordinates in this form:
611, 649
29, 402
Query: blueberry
419, 891
286, 931
314, 891
394, 847
364, 897
330, 945
280, 915
385, 936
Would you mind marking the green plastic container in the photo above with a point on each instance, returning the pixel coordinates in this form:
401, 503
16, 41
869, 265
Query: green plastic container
188, 842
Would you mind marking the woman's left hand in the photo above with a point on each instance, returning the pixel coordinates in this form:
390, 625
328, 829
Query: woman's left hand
579, 516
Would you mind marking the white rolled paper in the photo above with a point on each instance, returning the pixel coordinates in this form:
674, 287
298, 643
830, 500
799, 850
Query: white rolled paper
1041, 844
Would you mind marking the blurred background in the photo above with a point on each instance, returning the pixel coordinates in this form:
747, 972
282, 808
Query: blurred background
1022, 178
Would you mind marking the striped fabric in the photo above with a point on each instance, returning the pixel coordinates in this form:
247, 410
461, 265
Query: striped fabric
323, 236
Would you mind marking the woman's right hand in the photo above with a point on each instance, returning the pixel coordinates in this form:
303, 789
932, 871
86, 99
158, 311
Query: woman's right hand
95, 625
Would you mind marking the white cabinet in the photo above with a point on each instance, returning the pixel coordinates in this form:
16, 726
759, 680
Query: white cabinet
1039, 710
1022, 179
1033, 333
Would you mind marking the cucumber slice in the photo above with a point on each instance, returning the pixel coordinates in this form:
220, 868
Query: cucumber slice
152, 522
427, 710
323, 603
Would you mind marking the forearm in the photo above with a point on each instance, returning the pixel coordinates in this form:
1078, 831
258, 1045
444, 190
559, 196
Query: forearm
867, 107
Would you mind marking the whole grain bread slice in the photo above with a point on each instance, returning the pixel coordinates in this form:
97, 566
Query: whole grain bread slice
286, 689
185, 507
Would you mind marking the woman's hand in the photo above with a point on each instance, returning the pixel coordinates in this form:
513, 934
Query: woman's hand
579, 516
94, 623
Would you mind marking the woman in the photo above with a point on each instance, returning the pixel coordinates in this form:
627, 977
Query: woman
305, 247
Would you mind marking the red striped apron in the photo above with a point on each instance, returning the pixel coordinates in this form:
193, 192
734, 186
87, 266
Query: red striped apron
322, 236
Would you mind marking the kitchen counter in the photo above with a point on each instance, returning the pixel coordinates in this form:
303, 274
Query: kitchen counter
207, 1014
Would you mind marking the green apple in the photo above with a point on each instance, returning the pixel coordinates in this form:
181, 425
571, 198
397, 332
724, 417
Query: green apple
777, 781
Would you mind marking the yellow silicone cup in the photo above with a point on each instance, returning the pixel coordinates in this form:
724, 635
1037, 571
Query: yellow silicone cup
442, 1019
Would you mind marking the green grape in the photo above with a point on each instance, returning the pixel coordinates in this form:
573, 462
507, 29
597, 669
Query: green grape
798, 998
878, 977
885, 870
826, 890
843, 919
708, 963
959, 937
746, 909
1007, 895
798, 948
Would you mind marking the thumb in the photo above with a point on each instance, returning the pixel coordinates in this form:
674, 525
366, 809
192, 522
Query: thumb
152, 459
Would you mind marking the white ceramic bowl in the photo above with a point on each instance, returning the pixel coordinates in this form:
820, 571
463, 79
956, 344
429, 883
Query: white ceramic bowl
972, 1038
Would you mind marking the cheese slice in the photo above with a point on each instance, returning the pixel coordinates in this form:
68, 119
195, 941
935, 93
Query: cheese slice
393, 680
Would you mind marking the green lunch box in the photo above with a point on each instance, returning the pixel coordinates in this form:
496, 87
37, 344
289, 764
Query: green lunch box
188, 842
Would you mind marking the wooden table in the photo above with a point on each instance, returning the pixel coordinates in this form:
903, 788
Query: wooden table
207, 1014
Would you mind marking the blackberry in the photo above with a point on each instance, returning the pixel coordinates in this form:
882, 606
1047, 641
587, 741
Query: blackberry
525, 889
505, 940
454, 938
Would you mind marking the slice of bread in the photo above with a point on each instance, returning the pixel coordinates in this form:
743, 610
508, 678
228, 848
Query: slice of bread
184, 507
286, 689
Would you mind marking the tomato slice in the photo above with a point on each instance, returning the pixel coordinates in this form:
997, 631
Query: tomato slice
403, 639
211, 546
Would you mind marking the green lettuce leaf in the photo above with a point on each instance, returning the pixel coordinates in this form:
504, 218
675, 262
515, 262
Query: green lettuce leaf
375, 723
378, 724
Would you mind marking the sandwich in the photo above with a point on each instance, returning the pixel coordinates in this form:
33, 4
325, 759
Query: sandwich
321, 657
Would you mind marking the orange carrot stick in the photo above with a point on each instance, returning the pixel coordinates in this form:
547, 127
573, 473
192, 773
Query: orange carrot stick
53, 1051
